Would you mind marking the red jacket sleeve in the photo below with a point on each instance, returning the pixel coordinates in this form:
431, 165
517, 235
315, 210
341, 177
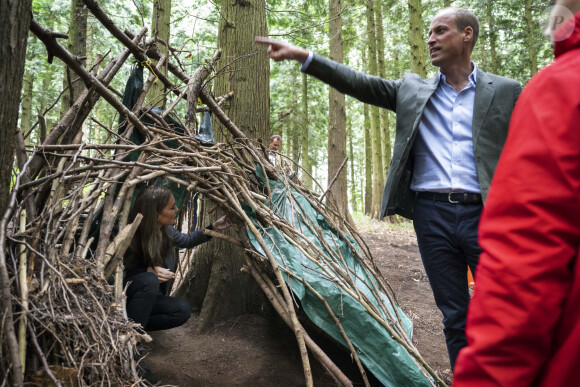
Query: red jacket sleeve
529, 233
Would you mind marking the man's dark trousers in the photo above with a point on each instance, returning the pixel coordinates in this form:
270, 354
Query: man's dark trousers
447, 237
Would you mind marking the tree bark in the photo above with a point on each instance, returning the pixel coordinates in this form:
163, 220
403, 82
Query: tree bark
26, 116
161, 29
492, 37
368, 195
14, 24
529, 28
377, 147
77, 45
353, 179
337, 116
296, 130
306, 163
416, 38
215, 283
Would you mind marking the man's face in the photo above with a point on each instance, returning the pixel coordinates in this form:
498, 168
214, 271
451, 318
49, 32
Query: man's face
446, 44
275, 145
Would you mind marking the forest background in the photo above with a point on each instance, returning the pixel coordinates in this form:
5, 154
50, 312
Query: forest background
386, 38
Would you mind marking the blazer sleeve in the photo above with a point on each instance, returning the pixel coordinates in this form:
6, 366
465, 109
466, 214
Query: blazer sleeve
189, 240
366, 88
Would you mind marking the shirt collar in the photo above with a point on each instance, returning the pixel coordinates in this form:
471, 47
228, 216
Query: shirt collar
472, 76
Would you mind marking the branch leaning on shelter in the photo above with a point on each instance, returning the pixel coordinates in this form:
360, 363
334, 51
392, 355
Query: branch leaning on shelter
72, 307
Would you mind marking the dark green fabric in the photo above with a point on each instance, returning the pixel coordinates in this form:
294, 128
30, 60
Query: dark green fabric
133, 90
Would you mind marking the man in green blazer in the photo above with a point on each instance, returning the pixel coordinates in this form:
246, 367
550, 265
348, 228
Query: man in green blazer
449, 135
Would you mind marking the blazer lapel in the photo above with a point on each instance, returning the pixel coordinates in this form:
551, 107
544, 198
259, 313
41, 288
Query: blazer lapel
484, 92
423, 95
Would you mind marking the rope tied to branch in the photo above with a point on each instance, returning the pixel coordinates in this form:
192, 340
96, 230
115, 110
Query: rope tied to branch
147, 63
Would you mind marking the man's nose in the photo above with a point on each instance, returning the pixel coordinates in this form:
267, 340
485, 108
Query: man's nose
431, 40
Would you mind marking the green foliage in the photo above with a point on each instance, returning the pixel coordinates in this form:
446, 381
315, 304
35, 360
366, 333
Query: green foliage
302, 22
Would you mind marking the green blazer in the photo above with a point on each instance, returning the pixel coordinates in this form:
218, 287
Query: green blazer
495, 98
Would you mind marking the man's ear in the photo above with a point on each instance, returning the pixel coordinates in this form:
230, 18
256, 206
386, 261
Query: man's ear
468, 37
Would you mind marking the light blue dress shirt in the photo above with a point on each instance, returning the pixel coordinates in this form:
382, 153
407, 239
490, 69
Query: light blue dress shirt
307, 62
443, 150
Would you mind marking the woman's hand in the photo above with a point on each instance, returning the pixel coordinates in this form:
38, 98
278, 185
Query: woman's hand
222, 223
162, 273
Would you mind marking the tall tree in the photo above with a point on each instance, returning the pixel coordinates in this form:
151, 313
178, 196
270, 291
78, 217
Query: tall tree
26, 105
353, 179
215, 283
306, 163
77, 45
160, 29
416, 37
14, 24
377, 149
530, 38
368, 188
492, 37
368, 150
296, 129
337, 116
384, 113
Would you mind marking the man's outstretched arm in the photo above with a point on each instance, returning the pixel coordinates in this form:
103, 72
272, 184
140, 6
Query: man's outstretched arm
279, 50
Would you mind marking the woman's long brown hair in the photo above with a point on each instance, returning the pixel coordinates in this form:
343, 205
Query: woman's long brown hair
150, 243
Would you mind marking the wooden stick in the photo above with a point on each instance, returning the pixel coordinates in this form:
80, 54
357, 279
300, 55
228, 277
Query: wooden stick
333, 180
116, 250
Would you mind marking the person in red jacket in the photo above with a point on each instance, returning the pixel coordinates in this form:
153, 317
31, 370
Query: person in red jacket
523, 324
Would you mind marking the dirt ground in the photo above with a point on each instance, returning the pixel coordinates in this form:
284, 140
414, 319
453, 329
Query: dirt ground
251, 351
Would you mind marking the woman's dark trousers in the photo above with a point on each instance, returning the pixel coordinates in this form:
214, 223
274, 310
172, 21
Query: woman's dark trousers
146, 305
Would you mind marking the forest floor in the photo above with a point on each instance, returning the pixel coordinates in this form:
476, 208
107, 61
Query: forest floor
252, 351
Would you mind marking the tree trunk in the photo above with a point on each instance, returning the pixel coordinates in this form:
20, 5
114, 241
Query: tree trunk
384, 113
14, 24
296, 131
215, 283
416, 38
368, 161
306, 164
337, 116
160, 28
26, 116
529, 28
492, 37
446, 3
78, 47
353, 179
377, 149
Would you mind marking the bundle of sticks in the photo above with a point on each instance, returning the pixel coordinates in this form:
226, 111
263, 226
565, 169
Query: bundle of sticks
61, 314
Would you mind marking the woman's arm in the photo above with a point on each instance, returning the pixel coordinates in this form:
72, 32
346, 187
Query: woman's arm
196, 237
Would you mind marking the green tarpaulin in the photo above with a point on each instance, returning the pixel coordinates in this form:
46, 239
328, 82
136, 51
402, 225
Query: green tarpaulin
382, 355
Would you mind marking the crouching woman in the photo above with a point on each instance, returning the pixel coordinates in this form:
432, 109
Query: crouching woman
150, 262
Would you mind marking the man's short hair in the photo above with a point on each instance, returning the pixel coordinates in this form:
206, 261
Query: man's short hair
275, 137
463, 19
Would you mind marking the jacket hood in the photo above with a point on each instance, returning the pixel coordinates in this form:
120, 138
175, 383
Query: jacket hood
566, 43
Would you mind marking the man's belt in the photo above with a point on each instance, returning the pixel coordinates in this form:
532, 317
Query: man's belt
451, 197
